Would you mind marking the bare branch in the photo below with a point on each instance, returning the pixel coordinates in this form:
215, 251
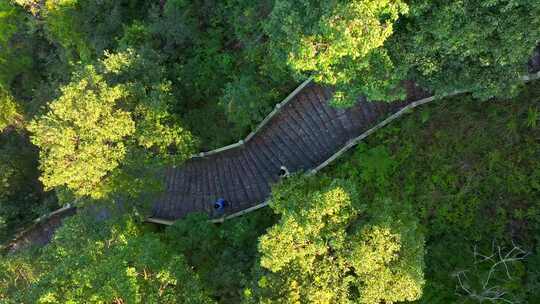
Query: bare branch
497, 257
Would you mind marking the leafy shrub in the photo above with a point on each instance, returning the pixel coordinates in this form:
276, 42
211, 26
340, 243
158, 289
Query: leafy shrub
241, 105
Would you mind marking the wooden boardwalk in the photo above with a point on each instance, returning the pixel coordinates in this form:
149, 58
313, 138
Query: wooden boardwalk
304, 133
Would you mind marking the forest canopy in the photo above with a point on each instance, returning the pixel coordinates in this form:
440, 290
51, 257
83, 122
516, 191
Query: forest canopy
99, 98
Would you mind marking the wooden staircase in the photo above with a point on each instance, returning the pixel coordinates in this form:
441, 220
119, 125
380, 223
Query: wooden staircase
304, 133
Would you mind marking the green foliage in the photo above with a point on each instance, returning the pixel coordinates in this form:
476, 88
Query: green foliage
340, 42
109, 261
376, 165
478, 46
323, 251
83, 136
93, 126
389, 255
221, 255
62, 23
87, 28
14, 55
21, 195
470, 174
16, 276
241, 107
173, 28
149, 100
92, 260
533, 275
8, 27
9, 113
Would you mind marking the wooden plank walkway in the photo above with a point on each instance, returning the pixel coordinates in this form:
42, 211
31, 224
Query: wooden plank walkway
303, 134
306, 133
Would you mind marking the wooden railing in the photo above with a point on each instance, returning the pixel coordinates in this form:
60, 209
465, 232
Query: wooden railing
263, 123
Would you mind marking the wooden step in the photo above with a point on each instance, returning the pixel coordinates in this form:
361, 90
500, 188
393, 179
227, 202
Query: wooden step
308, 122
324, 105
319, 128
261, 166
312, 146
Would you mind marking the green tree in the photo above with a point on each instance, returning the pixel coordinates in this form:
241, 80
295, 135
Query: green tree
339, 42
106, 261
324, 250
30, 68
478, 46
87, 28
83, 136
94, 130
388, 256
148, 100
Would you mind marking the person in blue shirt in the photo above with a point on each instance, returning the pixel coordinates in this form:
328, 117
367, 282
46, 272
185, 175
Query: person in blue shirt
220, 205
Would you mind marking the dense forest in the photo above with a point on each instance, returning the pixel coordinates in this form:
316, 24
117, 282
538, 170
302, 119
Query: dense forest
98, 97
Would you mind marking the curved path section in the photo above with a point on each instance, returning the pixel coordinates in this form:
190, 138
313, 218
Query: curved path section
303, 134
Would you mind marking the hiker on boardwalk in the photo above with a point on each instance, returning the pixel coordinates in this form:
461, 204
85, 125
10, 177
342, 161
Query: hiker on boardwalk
284, 172
220, 205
